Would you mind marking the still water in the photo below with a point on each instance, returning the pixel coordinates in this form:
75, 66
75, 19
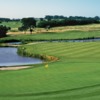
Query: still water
9, 57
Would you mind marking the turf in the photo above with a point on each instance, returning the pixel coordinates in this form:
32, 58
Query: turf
52, 36
76, 76
12, 24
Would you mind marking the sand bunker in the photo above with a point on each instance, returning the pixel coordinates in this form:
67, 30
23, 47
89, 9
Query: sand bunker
14, 68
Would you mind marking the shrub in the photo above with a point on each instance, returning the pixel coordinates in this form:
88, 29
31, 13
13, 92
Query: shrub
3, 30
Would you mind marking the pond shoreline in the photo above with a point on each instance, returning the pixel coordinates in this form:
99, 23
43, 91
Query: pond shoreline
43, 57
10, 57
89, 39
18, 42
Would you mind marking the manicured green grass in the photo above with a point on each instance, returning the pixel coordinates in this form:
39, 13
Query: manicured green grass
12, 24
76, 76
52, 36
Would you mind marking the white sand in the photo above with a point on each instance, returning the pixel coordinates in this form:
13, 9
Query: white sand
14, 68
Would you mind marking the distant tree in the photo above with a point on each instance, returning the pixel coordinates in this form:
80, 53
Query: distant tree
4, 19
48, 17
56, 20
62, 17
3, 30
23, 28
47, 27
41, 19
97, 18
16, 20
56, 17
28, 23
42, 24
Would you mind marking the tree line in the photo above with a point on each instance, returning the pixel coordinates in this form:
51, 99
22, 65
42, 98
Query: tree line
55, 21
8, 20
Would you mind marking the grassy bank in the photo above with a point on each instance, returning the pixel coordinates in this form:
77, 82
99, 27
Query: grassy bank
56, 33
52, 36
23, 52
76, 76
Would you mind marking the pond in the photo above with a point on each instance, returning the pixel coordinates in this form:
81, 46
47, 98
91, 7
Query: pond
9, 57
97, 39
77, 40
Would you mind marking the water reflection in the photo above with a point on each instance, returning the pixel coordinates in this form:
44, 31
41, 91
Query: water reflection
9, 57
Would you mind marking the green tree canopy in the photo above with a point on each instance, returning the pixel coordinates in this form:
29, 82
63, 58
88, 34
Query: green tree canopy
3, 30
28, 23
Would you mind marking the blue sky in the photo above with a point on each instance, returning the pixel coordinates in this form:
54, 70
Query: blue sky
40, 8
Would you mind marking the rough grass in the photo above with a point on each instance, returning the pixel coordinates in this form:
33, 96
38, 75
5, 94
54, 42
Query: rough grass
86, 28
76, 76
14, 25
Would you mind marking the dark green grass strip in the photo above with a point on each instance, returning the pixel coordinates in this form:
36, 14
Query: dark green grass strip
53, 92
